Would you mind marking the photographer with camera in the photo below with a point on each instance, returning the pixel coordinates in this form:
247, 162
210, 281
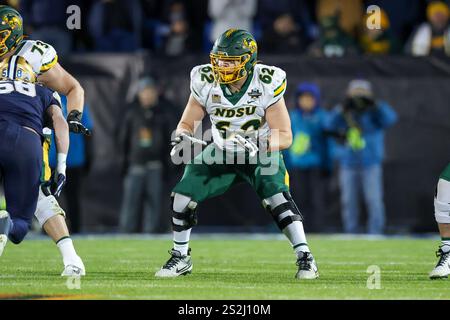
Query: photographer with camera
359, 124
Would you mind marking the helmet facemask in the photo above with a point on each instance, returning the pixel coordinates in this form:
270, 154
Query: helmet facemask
229, 74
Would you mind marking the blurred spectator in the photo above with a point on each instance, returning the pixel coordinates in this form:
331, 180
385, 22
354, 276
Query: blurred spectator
284, 36
197, 13
116, 25
176, 34
432, 37
361, 120
227, 14
333, 41
45, 20
378, 41
12, 3
78, 166
307, 159
350, 12
401, 21
152, 12
82, 39
144, 146
300, 11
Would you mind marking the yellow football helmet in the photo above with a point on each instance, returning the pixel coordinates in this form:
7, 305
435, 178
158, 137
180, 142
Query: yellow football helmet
17, 68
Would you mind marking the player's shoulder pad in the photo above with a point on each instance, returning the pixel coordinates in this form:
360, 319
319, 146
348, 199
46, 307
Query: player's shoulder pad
273, 79
40, 55
202, 80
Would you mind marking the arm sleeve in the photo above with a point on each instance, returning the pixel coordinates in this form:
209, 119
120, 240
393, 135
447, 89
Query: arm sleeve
49, 59
55, 99
40, 55
198, 86
52, 98
49, 98
277, 87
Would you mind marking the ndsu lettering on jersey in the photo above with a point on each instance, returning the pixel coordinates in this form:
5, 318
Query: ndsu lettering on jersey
231, 113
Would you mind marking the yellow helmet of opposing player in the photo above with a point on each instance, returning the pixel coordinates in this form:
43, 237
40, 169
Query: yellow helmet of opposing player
17, 68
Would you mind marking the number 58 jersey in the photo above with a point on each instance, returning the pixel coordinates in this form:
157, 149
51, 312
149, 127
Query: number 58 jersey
25, 103
241, 112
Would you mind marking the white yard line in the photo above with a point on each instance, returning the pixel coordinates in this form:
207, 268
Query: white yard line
240, 236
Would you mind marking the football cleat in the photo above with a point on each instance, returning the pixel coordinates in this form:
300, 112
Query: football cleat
4, 229
307, 268
177, 265
442, 269
74, 269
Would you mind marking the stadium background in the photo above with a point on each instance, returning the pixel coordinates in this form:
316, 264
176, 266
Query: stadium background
417, 147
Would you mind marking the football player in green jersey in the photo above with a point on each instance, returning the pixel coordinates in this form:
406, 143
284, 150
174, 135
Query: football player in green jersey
244, 101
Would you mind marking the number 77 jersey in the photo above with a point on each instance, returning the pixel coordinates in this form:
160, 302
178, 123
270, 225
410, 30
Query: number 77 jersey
242, 111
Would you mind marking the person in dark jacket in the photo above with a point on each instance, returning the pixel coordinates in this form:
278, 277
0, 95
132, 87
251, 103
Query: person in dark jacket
307, 159
361, 120
145, 142
284, 30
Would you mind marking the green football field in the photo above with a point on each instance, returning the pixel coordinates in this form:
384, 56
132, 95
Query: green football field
227, 267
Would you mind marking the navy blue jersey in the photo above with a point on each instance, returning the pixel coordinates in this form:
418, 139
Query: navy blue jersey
25, 103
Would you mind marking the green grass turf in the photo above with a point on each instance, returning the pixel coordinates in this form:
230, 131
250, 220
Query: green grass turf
228, 268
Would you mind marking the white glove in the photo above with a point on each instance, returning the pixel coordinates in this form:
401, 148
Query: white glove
182, 140
247, 144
